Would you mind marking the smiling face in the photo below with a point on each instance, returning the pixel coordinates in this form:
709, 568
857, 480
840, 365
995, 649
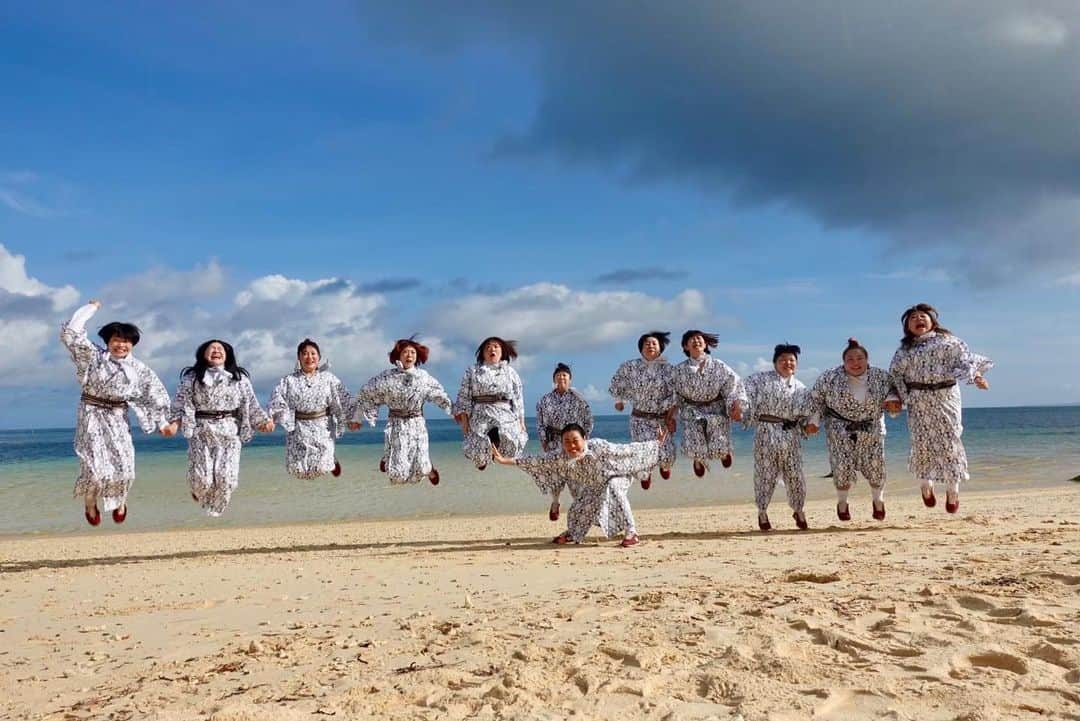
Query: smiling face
855, 362
119, 347
919, 323
562, 381
650, 349
573, 443
786, 364
492, 352
695, 346
214, 355
407, 357
309, 359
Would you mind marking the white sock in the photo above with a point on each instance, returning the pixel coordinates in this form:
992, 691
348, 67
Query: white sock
841, 496
953, 488
927, 486
878, 494
90, 501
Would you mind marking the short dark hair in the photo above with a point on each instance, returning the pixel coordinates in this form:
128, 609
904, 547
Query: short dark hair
307, 343
782, 348
663, 338
561, 368
509, 348
127, 331
572, 427
711, 340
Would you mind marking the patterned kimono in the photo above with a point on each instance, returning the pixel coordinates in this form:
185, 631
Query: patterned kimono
705, 392
217, 413
778, 444
553, 412
102, 435
599, 482
934, 416
854, 426
404, 392
309, 440
492, 397
649, 387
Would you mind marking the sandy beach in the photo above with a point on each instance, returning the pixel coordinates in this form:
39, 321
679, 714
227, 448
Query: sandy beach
924, 616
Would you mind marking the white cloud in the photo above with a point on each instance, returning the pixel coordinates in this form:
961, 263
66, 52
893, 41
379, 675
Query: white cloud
1069, 280
761, 364
13, 279
547, 317
593, 394
1035, 30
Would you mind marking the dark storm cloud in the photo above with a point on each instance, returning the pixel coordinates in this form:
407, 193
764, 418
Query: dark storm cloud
390, 285
947, 127
633, 275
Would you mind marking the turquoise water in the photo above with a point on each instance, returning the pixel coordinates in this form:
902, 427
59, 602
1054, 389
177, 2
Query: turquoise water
1007, 447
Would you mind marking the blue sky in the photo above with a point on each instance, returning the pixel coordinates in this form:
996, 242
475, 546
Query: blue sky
570, 177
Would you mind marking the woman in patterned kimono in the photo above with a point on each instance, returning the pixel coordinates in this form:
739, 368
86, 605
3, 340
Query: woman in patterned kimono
216, 409
646, 382
851, 400
599, 475
490, 405
554, 411
708, 396
112, 381
780, 411
404, 389
313, 407
925, 371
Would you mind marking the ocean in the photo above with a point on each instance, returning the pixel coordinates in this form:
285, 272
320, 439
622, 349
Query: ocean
1007, 448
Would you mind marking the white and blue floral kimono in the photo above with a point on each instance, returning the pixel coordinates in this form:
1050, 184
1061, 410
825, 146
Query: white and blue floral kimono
313, 409
404, 392
778, 409
599, 481
110, 387
217, 413
940, 360
706, 391
491, 395
649, 387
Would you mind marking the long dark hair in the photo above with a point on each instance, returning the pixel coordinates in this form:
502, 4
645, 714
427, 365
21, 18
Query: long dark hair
201, 364
509, 349
711, 340
909, 339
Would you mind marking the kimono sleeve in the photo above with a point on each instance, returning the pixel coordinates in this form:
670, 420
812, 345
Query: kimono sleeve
73, 336
545, 470
627, 459
280, 410
970, 365
620, 386
732, 387
897, 368
464, 403
586, 416
518, 399
341, 404
183, 405
254, 410
151, 407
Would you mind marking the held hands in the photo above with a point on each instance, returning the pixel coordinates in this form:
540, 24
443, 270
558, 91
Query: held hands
736, 411
353, 425
810, 428
95, 302
670, 423
662, 433
891, 406
169, 430
500, 458
619, 406
267, 426
981, 383
463, 421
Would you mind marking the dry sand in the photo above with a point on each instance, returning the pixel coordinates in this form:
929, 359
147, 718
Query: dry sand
924, 616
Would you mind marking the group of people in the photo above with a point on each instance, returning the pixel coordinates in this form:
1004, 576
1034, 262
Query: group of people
216, 409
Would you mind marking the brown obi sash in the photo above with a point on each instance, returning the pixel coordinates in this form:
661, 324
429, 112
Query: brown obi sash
645, 414
218, 415
786, 423
314, 416
402, 413
930, 386
103, 402
490, 399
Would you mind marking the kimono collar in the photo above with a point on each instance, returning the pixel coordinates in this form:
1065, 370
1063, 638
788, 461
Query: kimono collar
324, 366
215, 375
657, 361
125, 365
500, 364
585, 454
926, 336
401, 368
